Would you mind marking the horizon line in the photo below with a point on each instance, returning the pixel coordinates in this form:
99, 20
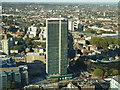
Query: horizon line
66, 2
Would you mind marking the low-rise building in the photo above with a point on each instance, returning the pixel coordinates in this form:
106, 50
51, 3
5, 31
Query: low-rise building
19, 58
42, 34
115, 83
32, 31
40, 50
32, 56
91, 47
13, 51
15, 77
72, 86
6, 61
5, 46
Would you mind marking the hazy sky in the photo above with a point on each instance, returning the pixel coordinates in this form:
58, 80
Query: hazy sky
59, 0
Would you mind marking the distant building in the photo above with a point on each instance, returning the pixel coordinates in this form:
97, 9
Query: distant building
71, 25
42, 34
32, 56
18, 75
115, 83
32, 31
76, 24
19, 58
72, 86
91, 47
40, 50
5, 46
13, 51
56, 46
11, 41
80, 27
6, 61
27, 50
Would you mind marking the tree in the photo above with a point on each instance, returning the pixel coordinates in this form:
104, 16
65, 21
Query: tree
17, 47
115, 72
69, 59
35, 38
12, 54
103, 42
90, 31
105, 59
18, 39
106, 74
28, 42
10, 85
98, 72
112, 58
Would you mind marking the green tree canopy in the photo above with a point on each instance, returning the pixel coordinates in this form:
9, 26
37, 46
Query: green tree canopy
17, 47
98, 72
10, 85
105, 59
106, 74
115, 72
103, 42
90, 31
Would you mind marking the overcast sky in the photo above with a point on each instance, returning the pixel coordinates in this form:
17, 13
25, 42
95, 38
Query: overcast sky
59, 0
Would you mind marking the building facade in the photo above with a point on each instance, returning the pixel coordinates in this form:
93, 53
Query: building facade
56, 46
5, 46
115, 83
71, 25
33, 56
32, 31
16, 75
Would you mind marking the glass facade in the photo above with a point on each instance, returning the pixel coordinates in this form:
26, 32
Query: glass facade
56, 46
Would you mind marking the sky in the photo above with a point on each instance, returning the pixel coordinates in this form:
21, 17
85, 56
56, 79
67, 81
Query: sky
59, 0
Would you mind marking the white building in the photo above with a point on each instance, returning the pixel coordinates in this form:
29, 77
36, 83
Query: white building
42, 34
32, 31
76, 23
115, 83
71, 25
5, 46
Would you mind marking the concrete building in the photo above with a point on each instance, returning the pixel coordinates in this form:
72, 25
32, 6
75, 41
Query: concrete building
32, 31
13, 51
5, 46
42, 34
11, 41
32, 56
71, 25
56, 46
115, 83
18, 75
76, 23
19, 58
6, 61
40, 50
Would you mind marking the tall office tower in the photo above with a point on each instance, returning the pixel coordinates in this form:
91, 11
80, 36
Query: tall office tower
56, 46
5, 46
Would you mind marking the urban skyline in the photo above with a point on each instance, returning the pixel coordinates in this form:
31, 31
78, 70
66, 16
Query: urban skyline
59, 1
54, 45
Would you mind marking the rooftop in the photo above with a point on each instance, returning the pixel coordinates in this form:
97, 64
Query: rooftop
117, 78
56, 18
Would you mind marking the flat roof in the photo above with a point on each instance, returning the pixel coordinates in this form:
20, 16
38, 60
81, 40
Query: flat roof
9, 68
56, 19
60, 76
117, 78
